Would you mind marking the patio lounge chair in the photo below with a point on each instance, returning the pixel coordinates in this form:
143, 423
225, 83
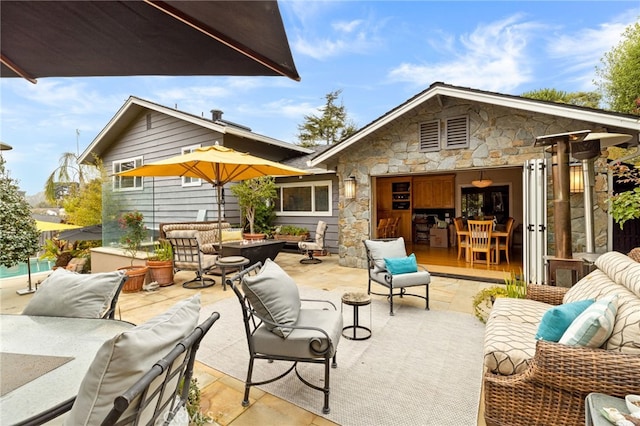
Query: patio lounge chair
279, 326
308, 247
381, 250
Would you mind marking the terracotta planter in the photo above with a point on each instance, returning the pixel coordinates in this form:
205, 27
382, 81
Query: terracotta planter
161, 272
135, 278
248, 236
291, 238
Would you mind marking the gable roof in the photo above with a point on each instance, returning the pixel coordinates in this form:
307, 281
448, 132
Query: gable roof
626, 122
134, 105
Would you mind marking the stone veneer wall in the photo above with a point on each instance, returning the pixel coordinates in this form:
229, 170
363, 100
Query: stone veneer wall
499, 136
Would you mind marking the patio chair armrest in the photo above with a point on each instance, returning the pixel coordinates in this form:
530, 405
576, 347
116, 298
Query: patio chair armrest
321, 301
546, 293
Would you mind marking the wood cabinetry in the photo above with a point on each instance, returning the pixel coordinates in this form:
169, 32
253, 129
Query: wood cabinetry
393, 199
433, 192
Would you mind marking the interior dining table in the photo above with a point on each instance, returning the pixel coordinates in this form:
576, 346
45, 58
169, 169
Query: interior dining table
43, 361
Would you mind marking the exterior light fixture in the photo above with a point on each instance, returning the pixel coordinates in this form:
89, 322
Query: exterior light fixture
481, 183
576, 180
350, 188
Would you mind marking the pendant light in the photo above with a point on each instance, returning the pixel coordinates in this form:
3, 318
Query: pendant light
481, 183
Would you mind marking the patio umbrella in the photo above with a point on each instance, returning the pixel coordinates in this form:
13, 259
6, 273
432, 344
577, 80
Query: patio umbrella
217, 165
143, 37
53, 226
87, 233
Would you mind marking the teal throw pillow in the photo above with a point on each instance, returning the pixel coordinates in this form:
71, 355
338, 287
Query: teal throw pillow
557, 319
401, 265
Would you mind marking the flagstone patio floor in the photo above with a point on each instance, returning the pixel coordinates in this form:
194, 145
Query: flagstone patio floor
222, 394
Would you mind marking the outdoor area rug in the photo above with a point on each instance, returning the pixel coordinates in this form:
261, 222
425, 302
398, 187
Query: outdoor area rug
419, 367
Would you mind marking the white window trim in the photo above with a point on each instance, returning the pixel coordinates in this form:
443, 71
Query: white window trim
312, 184
194, 181
116, 177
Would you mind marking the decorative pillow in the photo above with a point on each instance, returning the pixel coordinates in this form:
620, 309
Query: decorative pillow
401, 265
592, 327
124, 359
389, 249
557, 319
274, 295
69, 294
232, 235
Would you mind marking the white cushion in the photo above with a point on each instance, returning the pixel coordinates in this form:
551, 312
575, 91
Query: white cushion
381, 249
124, 359
274, 295
69, 294
592, 327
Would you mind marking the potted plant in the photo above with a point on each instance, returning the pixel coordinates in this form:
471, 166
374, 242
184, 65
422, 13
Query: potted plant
135, 232
251, 194
291, 233
160, 263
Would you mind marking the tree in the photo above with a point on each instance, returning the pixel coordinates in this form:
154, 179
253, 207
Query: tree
330, 127
84, 206
252, 194
586, 99
625, 205
68, 178
620, 73
18, 231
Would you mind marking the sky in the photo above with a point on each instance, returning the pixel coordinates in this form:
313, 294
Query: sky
378, 53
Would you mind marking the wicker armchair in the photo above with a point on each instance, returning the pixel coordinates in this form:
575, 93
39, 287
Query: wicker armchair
552, 390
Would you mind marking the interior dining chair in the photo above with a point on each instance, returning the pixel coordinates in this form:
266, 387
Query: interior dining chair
480, 239
505, 244
280, 326
381, 230
462, 239
393, 227
317, 244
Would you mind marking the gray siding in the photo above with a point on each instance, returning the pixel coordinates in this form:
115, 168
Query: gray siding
310, 222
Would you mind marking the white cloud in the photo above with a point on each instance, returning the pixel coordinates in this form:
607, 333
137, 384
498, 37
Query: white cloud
493, 57
347, 26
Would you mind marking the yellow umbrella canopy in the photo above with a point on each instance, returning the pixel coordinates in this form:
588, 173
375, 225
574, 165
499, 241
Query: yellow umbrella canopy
217, 165
52, 226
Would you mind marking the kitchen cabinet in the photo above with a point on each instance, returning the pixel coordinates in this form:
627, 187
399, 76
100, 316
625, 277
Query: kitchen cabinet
433, 192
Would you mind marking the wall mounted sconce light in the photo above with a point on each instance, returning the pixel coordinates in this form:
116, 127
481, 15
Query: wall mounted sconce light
350, 188
576, 178
481, 183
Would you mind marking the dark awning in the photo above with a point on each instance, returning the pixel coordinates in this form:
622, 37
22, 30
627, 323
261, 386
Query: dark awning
143, 37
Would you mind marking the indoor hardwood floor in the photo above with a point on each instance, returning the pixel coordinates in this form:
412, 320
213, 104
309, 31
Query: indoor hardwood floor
445, 261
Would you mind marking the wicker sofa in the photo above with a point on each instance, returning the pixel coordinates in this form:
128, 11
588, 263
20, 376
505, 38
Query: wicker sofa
529, 382
207, 233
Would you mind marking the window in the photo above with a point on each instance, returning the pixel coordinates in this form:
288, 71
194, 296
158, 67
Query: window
457, 132
126, 183
186, 180
304, 199
430, 136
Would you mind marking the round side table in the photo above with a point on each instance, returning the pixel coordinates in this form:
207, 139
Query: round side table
232, 262
356, 300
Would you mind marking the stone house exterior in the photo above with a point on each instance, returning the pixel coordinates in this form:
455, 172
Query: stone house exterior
450, 129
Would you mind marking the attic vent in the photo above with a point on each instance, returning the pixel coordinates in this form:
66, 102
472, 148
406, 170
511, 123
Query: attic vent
457, 132
216, 115
430, 136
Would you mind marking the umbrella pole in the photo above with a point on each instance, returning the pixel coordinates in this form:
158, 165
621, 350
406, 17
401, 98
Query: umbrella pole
29, 289
219, 220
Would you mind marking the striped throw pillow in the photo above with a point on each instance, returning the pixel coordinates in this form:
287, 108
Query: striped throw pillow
594, 326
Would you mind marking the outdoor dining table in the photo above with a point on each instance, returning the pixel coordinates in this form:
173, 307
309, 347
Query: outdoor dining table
43, 361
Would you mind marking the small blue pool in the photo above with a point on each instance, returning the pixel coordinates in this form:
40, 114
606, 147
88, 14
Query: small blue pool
21, 268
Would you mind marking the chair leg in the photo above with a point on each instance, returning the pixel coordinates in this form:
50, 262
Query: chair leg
427, 296
247, 386
391, 301
326, 409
